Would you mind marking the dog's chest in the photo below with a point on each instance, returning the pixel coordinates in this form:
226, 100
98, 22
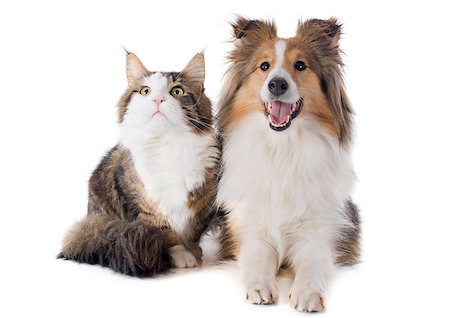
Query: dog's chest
277, 177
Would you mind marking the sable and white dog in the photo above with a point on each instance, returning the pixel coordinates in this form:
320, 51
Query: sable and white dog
286, 125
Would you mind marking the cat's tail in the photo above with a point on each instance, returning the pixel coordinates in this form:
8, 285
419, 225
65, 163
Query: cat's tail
134, 248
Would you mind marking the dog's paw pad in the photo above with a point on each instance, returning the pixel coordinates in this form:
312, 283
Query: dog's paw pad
306, 301
262, 295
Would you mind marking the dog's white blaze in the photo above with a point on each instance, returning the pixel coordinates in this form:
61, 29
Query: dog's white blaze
280, 47
277, 70
286, 192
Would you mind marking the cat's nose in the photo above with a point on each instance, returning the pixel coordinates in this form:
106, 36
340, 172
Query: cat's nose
158, 101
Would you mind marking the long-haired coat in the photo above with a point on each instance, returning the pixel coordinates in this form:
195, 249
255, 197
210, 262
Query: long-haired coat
286, 128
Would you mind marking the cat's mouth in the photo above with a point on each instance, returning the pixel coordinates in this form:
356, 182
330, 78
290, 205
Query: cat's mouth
158, 113
280, 114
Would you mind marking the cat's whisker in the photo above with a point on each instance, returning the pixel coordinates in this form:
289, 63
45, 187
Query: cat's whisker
200, 117
211, 126
199, 122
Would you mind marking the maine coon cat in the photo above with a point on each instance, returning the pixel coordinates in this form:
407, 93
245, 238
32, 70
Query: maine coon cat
151, 196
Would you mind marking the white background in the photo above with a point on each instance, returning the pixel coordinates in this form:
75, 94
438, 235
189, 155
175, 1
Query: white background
62, 71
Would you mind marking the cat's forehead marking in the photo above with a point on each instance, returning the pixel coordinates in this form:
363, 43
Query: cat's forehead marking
174, 76
171, 77
157, 81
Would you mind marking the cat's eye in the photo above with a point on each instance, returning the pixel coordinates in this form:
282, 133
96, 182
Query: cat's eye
145, 91
300, 66
265, 66
177, 91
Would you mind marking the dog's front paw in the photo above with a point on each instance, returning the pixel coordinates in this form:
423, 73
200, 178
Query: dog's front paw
182, 258
306, 300
262, 294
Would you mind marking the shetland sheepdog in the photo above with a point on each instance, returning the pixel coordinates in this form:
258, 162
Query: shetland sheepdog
285, 123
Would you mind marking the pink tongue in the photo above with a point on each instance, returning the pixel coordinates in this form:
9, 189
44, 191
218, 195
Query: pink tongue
280, 112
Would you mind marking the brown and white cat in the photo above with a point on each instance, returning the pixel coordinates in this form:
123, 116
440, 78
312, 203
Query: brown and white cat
151, 196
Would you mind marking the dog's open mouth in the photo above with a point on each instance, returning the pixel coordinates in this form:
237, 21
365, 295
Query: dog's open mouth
280, 113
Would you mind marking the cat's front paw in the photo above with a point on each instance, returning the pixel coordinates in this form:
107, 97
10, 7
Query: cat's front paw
306, 300
262, 294
182, 258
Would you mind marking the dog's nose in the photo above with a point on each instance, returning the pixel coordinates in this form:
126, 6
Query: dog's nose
277, 86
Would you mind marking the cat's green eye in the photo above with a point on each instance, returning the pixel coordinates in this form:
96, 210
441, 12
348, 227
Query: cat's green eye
177, 91
145, 91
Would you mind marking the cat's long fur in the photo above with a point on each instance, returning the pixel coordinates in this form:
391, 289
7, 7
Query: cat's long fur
151, 196
286, 188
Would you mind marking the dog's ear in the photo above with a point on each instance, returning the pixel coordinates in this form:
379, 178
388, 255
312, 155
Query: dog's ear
326, 31
331, 27
250, 32
321, 38
242, 26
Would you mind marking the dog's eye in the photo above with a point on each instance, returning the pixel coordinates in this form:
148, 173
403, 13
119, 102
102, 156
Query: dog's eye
145, 91
265, 66
300, 66
177, 91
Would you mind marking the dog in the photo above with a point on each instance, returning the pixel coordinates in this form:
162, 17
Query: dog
285, 124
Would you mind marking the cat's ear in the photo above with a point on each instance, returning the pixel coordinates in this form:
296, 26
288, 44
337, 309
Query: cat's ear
195, 70
135, 69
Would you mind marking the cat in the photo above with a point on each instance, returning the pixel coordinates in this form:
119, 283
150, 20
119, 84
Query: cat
151, 197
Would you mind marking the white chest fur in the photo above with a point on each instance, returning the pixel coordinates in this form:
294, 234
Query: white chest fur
275, 181
170, 165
